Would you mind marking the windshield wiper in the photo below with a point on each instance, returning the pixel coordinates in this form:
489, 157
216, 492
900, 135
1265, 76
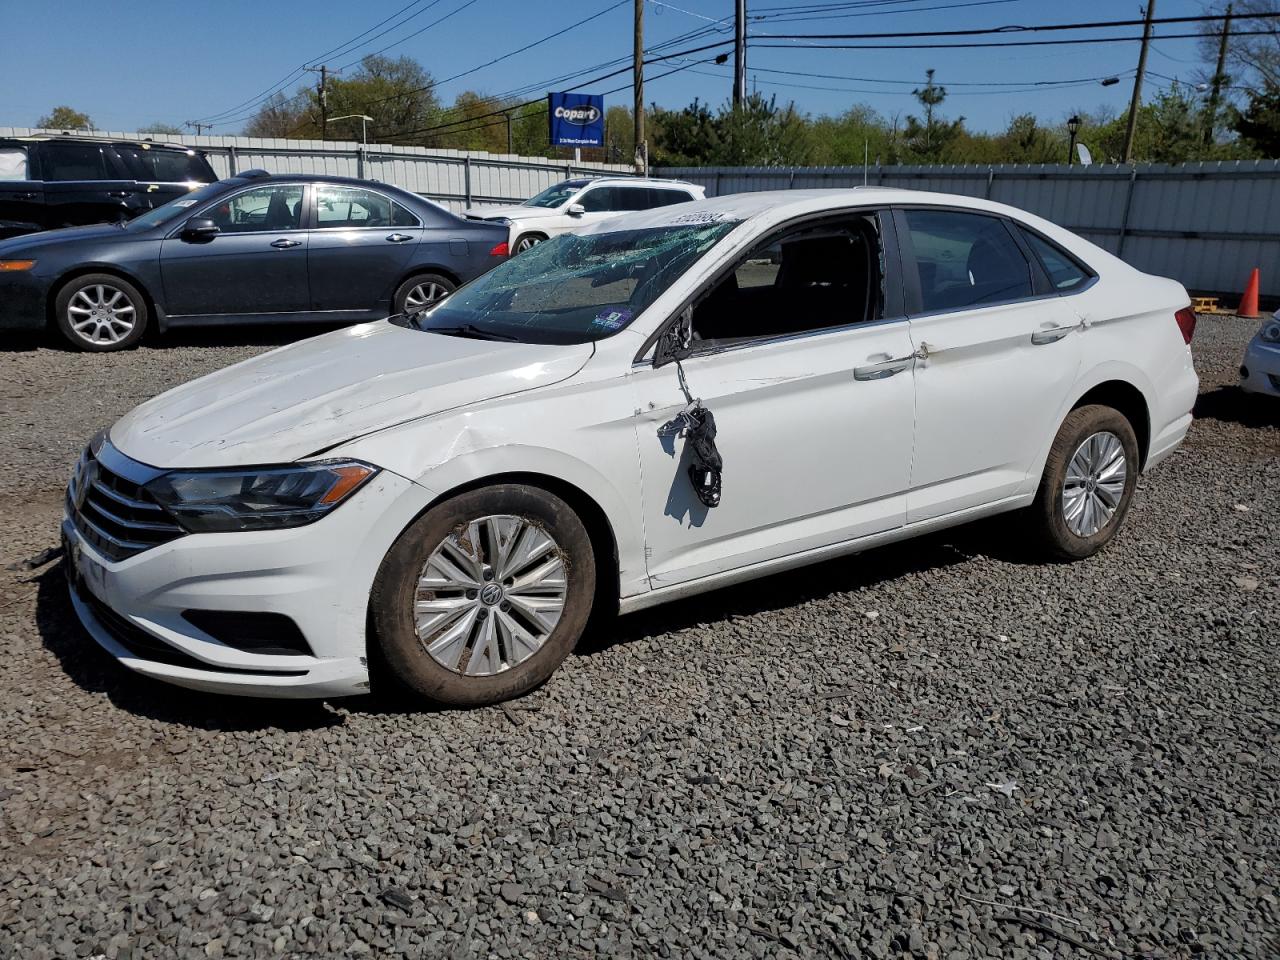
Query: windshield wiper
472, 331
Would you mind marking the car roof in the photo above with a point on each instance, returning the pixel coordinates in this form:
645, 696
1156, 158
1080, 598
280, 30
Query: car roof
258, 176
638, 181
87, 138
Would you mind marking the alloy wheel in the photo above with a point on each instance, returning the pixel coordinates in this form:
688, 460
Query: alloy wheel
423, 295
490, 595
527, 242
101, 313
1094, 484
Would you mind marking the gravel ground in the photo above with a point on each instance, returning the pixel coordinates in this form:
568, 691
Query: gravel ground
936, 750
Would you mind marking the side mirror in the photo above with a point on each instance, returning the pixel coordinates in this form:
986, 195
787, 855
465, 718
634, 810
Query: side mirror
199, 230
676, 342
576, 210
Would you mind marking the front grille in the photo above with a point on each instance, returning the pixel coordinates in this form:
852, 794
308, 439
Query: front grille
115, 514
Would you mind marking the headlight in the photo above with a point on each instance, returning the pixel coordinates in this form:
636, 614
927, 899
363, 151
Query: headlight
1271, 331
266, 498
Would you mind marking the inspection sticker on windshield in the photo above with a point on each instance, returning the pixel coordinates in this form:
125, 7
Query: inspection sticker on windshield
614, 319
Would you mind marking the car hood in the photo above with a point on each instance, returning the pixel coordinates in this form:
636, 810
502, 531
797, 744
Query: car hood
45, 238
519, 212
302, 399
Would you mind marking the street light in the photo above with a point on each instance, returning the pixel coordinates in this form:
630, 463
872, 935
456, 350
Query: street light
1073, 127
364, 121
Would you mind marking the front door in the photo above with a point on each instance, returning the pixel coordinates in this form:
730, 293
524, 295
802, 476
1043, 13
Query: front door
255, 267
808, 374
997, 360
360, 242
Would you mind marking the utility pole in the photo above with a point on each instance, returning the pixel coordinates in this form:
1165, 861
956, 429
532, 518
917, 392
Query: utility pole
740, 53
199, 127
1219, 77
1136, 102
322, 90
642, 152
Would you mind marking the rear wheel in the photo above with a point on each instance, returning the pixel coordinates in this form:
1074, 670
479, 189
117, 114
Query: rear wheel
422, 292
527, 241
485, 595
1088, 482
100, 312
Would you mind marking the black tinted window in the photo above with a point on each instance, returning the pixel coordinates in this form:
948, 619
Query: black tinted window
664, 198
178, 166
599, 200
965, 259
72, 161
1064, 273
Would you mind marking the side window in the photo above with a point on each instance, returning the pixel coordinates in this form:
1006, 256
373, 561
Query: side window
72, 161
176, 166
965, 259
275, 207
664, 198
339, 207
810, 278
1064, 273
599, 200
632, 198
13, 163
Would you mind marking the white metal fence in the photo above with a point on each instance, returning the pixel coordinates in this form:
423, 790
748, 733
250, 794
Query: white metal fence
1205, 224
455, 178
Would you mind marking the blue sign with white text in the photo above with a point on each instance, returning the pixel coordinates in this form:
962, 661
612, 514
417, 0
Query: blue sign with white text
575, 119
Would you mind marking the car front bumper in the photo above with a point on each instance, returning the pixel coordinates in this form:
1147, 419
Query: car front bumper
319, 575
22, 301
1261, 370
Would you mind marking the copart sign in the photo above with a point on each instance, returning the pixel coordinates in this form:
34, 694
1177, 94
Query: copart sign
575, 119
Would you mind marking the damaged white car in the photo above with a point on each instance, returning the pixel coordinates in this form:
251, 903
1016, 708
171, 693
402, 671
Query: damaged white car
673, 401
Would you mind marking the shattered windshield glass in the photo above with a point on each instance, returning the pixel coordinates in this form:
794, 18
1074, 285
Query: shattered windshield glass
575, 289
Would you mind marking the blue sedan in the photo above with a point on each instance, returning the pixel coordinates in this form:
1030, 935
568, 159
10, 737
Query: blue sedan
254, 248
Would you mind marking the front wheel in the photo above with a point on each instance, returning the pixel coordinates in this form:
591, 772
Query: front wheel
1088, 483
484, 595
100, 312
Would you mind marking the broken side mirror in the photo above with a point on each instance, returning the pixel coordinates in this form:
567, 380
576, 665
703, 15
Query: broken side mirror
676, 342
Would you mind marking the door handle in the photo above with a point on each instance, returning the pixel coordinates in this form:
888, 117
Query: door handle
285, 244
399, 237
882, 369
25, 196
1050, 335
118, 194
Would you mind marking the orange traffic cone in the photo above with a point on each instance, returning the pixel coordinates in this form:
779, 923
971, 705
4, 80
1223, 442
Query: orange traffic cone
1249, 302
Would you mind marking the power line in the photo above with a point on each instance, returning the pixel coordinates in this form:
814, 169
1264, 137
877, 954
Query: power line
396, 43
1078, 41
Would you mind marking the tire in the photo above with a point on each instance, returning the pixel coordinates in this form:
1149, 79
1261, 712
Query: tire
422, 290
478, 656
527, 240
1075, 523
100, 312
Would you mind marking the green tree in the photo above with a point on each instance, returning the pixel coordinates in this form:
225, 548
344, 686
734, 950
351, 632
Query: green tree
930, 139
1259, 123
280, 116
65, 118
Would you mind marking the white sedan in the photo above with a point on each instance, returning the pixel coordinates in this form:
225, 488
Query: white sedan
1260, 372
676, 400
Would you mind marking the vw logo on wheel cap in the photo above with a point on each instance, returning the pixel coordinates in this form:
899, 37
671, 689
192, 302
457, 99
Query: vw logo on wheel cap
491, 594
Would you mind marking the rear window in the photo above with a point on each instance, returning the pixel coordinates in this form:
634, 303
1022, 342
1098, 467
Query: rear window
73, 161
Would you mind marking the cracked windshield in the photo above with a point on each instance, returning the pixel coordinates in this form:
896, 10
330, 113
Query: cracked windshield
575, 289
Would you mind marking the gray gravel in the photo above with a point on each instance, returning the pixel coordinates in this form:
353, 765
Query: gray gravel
936, 750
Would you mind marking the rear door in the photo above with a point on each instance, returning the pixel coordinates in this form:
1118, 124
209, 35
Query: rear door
21, 195
359, 245
996, 358
163, 173
255, 267
83, 183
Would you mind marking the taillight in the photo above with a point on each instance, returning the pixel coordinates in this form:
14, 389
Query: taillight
1186, 318
502, 250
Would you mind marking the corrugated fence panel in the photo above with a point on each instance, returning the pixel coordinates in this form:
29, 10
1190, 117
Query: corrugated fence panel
1206, 224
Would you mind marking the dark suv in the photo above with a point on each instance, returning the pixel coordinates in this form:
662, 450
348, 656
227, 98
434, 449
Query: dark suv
50, 181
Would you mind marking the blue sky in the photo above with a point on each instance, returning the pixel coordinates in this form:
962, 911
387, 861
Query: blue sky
131, 62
